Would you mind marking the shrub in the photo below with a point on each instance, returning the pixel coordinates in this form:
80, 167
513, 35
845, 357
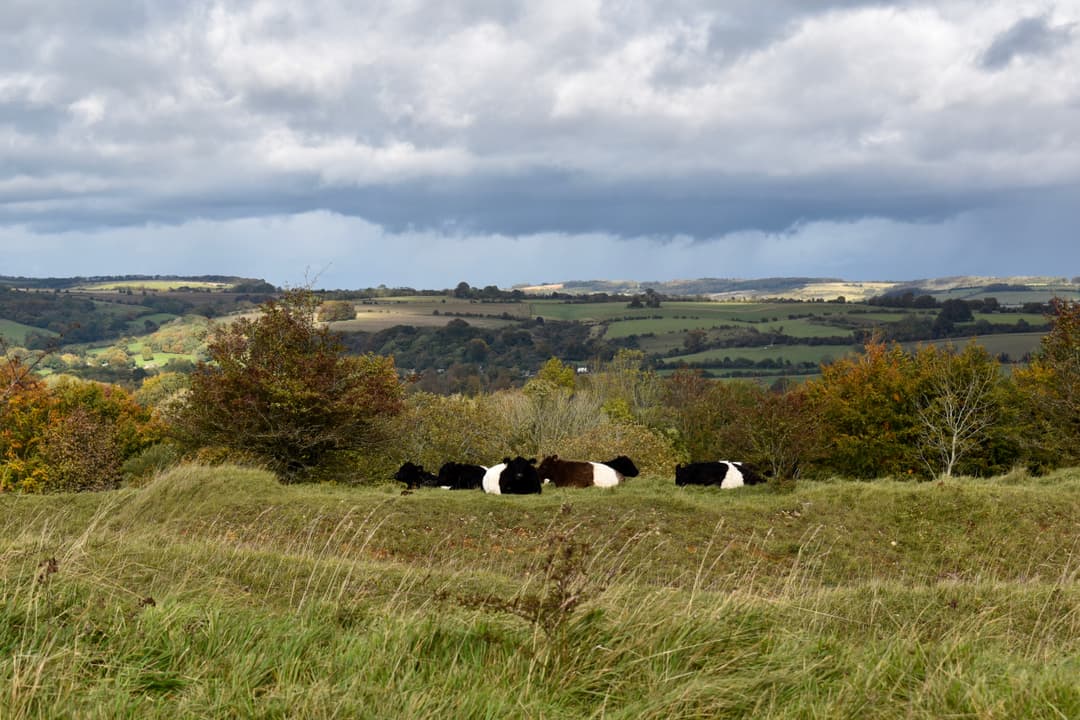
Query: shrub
652, 452
73, 436
155, 459
282, 389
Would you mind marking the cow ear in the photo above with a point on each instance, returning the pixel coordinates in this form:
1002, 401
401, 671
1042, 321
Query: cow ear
506, 460
532, 461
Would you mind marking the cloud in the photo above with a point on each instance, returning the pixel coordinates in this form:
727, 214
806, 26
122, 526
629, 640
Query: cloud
687, 122
1030, 36
1029, 235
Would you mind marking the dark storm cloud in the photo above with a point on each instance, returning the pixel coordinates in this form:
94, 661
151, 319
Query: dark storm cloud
807, 129
1027, 37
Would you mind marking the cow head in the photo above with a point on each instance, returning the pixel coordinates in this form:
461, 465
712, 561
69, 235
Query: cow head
519, 476
680, 475
414, 475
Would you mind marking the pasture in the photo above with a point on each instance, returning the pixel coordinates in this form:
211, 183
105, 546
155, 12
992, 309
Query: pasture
428, 311
14, 333
782, 353
217, 592
1015, 345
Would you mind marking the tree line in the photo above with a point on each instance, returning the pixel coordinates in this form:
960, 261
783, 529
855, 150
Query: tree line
282, 391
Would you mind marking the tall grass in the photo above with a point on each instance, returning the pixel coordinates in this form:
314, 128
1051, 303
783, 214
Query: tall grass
219, 593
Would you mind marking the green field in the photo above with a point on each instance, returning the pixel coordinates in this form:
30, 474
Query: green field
1012, 298
428, 312
135, 352
801, 328
153, 285
116, 308
220, 593
1015, 345
138, 325
712, 313
15, 333
792, 353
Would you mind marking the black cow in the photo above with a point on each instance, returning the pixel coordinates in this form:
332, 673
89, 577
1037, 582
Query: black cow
414, 476
724, 473
622, 465
460, 476
512, 477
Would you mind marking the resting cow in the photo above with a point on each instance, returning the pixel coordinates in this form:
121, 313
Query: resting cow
580, 474
512, 477
414, 476
623, 465
460, 476
724, 473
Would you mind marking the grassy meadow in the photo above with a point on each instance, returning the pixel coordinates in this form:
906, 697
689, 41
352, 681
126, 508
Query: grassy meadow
217, 592
15, 333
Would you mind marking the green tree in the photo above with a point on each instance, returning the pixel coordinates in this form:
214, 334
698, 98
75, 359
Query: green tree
1051, 388
557, 373
708, 417
695, 340
783, 431
281, 388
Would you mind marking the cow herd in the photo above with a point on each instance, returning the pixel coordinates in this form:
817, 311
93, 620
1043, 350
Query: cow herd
521, 476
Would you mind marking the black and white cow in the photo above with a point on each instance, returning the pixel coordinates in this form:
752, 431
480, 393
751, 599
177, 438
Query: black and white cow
580, 474
723, 473
460, 476
414, 476
512, 477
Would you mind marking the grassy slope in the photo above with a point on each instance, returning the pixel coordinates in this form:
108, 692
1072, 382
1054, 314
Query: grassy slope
839, 600
15, 333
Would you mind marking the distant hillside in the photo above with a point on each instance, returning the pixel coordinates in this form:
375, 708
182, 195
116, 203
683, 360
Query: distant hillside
154, 282
803, 288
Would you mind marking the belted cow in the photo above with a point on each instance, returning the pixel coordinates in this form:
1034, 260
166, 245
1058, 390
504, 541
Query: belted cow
726, 474
581, 474
512, 477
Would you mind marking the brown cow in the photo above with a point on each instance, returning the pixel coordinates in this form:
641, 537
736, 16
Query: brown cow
577, 474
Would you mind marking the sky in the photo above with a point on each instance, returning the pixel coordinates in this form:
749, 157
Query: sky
346, 145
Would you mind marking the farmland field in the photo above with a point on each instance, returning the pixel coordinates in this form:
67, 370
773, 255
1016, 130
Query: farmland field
153, 285
1015, 345
791, 353
216, 592
428, 312
15, 333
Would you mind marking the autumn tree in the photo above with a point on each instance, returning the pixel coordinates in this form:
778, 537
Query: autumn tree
1051, 387
281, 388
868, 408
783, 431
70, 437
708, 417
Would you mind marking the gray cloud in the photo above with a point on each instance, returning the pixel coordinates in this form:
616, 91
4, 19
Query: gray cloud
1030, 36
689, 125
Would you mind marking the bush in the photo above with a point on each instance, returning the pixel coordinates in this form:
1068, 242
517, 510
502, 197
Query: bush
283, 389
72, 436
653, 453
81, 453
153, 460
